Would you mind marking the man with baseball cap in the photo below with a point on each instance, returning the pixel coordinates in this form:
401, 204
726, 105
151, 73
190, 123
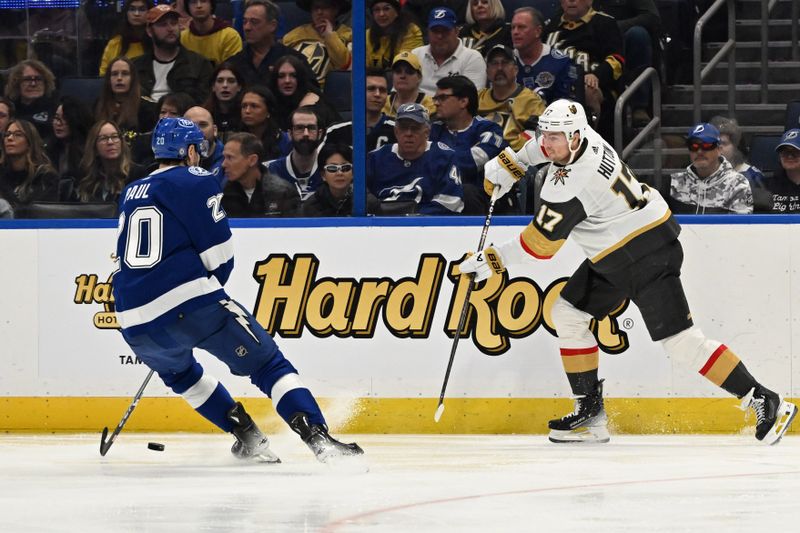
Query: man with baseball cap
415, 171
406, 79
710, 184
514, 107
784, 185
168, 67
446, 55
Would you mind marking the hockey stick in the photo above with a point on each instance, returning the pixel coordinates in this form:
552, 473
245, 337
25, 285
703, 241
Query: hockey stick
463, 317
104, 446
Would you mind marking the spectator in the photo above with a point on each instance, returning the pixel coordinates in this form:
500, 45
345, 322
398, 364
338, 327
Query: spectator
323, 42
486, 26
514, 108
71, 123
207, 35
293, 85
106, 165
258, 103
709, 184
543, 69
731, 146
262, 48
121, 100
26, 174
224, 100
474, 139
211, 160
171, 105
334, 196
406, 80
168, 67
380, 128
250, 190
31, 86
7, 112
131, 38
415, 171
784, 186
421, 9
300, 166
593, 41
446, 55
390, 32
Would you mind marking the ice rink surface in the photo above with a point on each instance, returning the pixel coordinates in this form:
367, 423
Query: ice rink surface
414, 484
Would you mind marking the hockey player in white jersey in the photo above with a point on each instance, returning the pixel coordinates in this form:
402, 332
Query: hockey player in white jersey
175, 253
630, 240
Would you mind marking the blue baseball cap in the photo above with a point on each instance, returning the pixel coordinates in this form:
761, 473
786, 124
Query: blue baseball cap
790, 138
415, 112
442, 16
704, 132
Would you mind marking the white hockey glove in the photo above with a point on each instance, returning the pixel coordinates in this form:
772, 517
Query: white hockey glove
503, 171
483, 264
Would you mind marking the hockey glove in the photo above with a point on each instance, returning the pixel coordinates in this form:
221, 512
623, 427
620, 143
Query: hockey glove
503, 171
483, 264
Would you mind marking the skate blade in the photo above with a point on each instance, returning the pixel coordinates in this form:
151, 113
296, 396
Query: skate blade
588, 435
787, 411
269, 458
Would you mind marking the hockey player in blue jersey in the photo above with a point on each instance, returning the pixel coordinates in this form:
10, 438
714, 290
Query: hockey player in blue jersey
175, 253
415, 169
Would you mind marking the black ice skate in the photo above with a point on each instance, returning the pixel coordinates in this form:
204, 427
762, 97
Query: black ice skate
587, 423
316, 437
773, 414
250, 442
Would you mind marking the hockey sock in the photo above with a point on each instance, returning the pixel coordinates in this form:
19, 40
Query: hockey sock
279, 380
726, 370
581, 365
204, 393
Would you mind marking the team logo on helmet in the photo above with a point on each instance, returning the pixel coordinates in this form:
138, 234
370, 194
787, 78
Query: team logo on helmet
573, 109
185, 123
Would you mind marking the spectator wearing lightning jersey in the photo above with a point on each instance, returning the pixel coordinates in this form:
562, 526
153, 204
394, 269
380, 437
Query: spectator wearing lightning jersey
474, 139
300, 166
630, 240
174, 254
414, 171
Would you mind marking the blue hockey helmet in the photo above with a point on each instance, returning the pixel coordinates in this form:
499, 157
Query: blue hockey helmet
172, 138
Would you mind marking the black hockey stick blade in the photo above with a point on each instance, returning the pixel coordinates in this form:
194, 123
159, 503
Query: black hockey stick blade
104, 446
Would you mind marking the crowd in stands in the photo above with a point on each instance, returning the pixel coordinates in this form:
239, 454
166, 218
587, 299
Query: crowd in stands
450, 83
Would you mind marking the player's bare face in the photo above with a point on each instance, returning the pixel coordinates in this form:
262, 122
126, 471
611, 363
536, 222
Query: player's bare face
256, 26
60, 125
790, 158
704, 160
108, 143
481, 11
15, 143
383, 14
254, 110
234, 163
137, 13
336, 174
166, 32
556, 146
411, 138
120, 77
226, 87
523, 31
443, 41
376, 93
287, 79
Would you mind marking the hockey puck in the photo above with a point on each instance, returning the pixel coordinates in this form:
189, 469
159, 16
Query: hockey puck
155, 446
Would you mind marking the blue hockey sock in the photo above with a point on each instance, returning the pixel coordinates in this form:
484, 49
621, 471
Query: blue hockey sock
204, 393
278, 379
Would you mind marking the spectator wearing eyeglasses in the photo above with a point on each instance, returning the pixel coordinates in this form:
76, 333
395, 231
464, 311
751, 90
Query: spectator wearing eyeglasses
486, 26
106, 165
251, 190
31, 86
65, 146
784, 186
207, 35
334, 196
300, 166
131, 37
406, 81
710, 184
26, 174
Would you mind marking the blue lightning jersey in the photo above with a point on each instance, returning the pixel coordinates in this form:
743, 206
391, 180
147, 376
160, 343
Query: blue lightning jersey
432, 180
174, 248
283, 168
475, 145
551, 76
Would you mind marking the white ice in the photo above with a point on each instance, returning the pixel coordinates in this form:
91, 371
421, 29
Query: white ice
414, 484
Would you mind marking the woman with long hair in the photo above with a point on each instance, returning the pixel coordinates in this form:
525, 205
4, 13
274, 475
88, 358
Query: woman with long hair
31, 86
71, 123
106, 165
131, 38
257, 108
121, 101
390, 32
292, 85
224, 100
26, 174
486, 26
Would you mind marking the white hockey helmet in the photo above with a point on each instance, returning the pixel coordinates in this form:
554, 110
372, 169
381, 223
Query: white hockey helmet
565, 116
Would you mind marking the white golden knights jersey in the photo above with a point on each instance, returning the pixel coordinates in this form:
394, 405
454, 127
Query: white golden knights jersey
600, 203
